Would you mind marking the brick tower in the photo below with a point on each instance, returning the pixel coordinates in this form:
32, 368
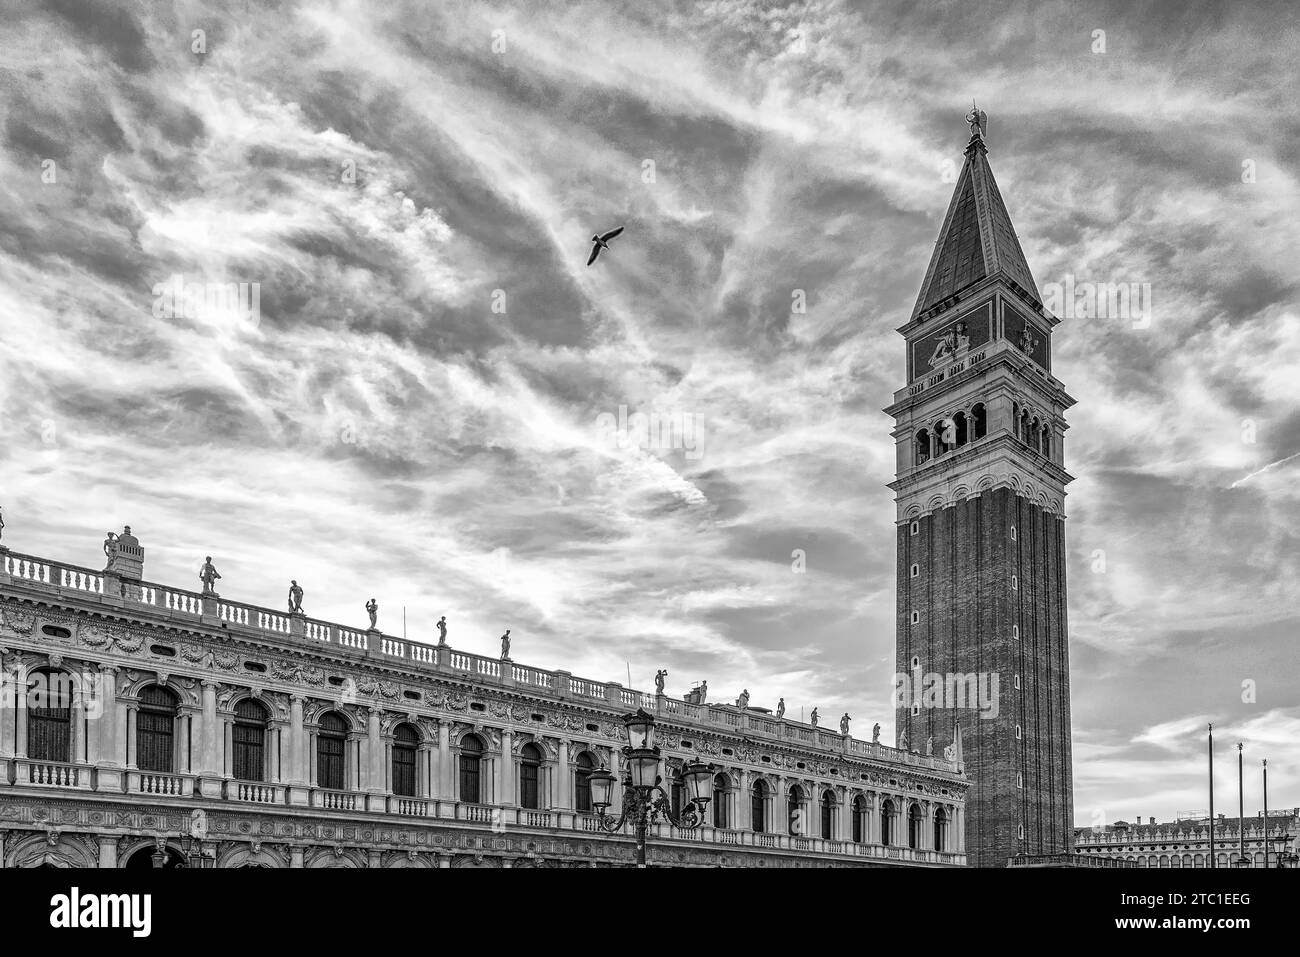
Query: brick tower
981, 529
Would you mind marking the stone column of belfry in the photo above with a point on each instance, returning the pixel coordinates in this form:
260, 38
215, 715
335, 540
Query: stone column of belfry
983, 525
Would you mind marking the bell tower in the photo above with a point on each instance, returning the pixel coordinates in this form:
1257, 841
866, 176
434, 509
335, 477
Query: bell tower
982, 649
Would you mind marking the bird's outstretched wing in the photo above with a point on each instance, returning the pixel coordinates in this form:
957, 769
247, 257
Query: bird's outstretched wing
595, 251
611, 234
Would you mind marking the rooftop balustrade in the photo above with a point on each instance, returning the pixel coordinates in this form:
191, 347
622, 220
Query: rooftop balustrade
153, 600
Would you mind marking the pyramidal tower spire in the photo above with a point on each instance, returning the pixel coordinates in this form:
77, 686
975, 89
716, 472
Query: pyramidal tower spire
976, 240
980, 490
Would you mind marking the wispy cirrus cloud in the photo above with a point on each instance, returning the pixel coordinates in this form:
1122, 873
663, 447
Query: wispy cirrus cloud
414, 414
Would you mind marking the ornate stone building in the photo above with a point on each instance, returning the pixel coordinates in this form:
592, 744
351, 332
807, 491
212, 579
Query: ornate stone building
144, 724
1186, 843
980, 485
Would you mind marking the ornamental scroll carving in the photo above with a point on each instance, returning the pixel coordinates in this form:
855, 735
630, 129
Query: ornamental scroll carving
455, 701
566, 722
292, 671
376, 688
17, 619
197, 655
103, 638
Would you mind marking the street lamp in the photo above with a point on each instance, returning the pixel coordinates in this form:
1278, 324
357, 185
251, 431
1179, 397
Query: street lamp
192, 848
1281, 841
644, 799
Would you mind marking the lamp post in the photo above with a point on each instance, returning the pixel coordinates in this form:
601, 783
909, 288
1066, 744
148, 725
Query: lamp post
644, 799
1282, 841
192, 848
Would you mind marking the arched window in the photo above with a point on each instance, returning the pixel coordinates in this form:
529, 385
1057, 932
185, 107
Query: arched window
887, 816
1045, 446
406, 746
331, 741
249, 739
959, 420
979, 421
721, 796
758, 806
1022, 432
155, 728
471, 757
530, 766
941, 830
940, 446
914, 826
794, 815
922, 447
859, 819
49, 716
828, 815
582, 781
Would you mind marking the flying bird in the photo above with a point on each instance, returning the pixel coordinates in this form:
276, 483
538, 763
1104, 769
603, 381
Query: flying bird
599, 242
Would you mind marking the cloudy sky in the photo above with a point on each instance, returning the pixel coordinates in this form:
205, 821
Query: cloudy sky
419, 407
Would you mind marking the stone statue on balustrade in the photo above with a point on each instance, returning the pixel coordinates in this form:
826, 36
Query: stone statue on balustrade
929, 745
660, 676
295, 598
372, 609
208, 574
813, 716
743, 701
780, 709
844, 723
704, 692
902, 740
875, 734
505, 646
2, 523
442, 630
110, 545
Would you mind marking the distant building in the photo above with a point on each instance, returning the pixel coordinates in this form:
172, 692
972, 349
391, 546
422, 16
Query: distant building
1186, 842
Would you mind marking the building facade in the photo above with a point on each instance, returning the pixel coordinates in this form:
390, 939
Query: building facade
982, 646
144, 725
1186, 843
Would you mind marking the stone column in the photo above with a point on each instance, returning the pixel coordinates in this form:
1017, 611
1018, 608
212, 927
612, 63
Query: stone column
8, 711
426, 763
108, 852
103, 744
444, 790
505, 774
20, 721
186, 735
299, 793
211, 738
295, 855
131, 711
564, 785
374, 777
